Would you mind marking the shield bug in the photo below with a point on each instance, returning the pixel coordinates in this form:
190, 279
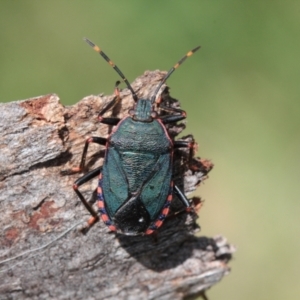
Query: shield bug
135, 187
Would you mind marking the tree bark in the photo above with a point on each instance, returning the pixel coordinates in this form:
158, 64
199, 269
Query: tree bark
43, 254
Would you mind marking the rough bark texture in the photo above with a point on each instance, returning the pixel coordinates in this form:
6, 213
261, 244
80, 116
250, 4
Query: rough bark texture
40, 138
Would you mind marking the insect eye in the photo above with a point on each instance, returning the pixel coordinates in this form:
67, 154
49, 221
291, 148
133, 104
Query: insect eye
154, 114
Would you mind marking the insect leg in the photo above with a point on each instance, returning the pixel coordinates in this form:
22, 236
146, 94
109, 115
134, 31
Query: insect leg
181, 115
110, 105
183, 144
182, 197
93, 139
109, 121
191, 145
80, 181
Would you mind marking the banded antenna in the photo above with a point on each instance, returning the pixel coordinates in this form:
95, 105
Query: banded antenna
97, 49
190, 53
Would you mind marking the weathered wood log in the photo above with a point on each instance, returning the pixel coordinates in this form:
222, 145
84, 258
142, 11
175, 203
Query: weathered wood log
44, 256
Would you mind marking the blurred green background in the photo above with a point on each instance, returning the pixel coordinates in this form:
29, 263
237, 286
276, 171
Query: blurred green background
241, 93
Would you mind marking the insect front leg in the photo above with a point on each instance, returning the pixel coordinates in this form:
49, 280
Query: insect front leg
94, 139
110, 105
181, 115
177, 114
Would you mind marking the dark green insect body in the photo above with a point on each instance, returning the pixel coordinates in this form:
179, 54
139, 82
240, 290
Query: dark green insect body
137, 171
135, 187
